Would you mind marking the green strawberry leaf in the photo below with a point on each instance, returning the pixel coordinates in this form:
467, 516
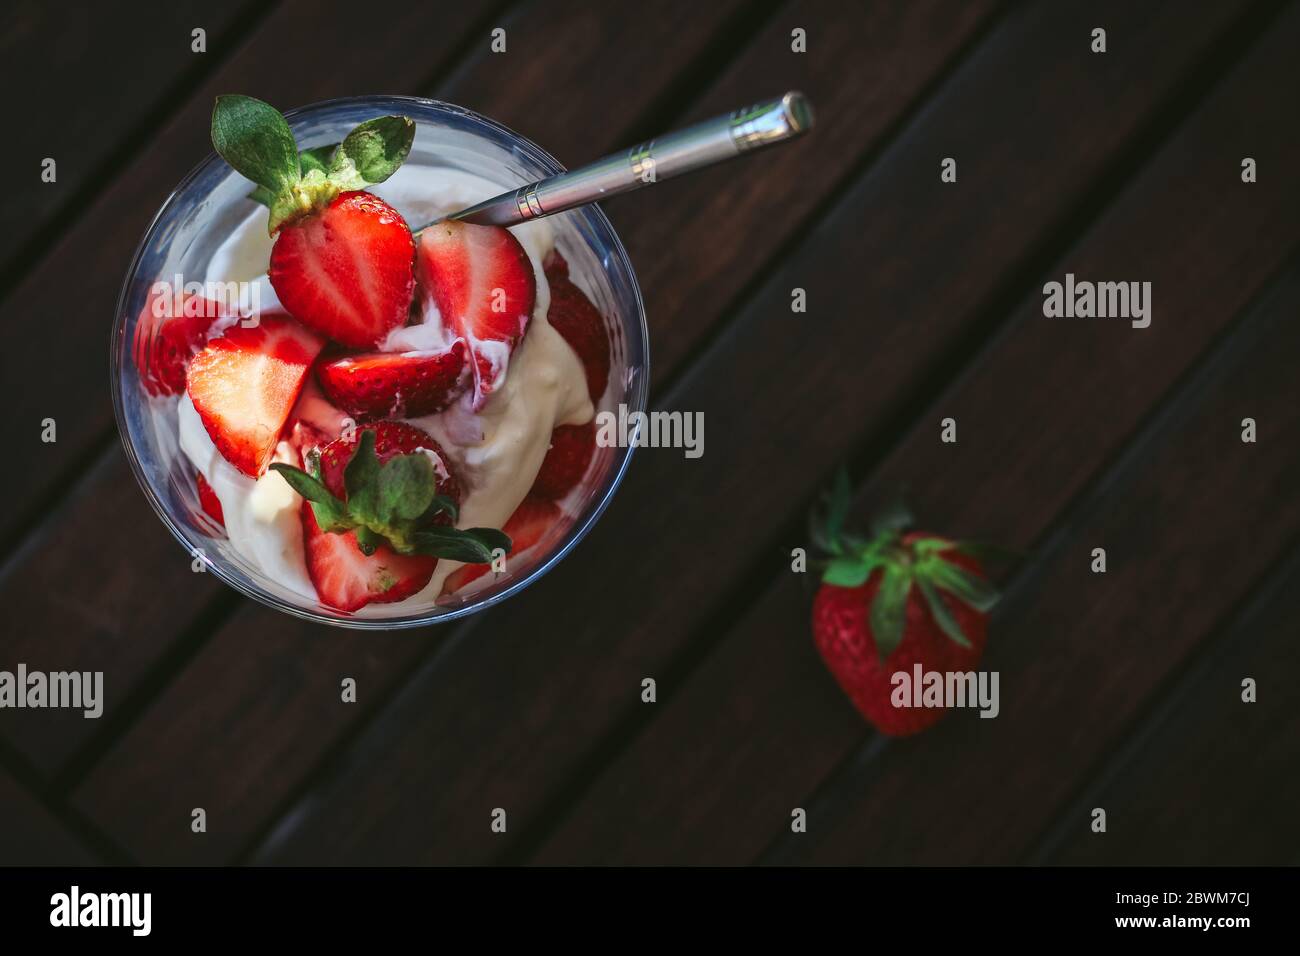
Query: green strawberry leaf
924, 547
441, 504
306, 485
256, 140
405, 487
967, 587
332, 517
372, 152
493, 538
361, 480
849, 572
315, 159
331, 514
470, 545
941, 613
889, 609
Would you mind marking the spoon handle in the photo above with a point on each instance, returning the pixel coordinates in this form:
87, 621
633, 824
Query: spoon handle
711, 141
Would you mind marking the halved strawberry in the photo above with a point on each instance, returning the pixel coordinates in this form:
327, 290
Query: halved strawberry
526, 527
579, 322
391, 438
245, 383
346, 270
394, 384
482, 282
347, 579
566, 462
166, 338
209, 501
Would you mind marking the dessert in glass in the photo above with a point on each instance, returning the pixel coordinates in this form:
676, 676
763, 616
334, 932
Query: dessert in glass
358, 424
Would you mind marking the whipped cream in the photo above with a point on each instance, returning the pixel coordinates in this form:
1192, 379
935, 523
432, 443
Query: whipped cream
262, 515
496, 450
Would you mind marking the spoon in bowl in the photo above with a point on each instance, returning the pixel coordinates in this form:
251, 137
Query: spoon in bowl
703, 144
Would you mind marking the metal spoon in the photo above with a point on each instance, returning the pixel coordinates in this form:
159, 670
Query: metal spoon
711, 141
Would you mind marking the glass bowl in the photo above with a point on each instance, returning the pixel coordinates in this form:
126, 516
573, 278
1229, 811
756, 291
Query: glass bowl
212, 201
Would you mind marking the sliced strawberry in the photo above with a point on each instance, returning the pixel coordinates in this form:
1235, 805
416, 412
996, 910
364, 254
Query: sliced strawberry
566, 462
348, 580
167, 334
526, 527
391, 438
394, 384
482, 282
245, 383
574, 317
209, 501
346, 271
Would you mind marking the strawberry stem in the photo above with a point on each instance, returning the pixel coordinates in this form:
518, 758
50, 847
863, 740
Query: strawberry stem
255, 139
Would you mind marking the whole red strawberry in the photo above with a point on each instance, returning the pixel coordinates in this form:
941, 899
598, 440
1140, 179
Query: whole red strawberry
891, 603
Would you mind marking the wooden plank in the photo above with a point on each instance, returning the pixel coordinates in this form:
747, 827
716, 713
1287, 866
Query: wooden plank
30, 835
476, 733
753, 756
75, 603
563, 84
91, 128
240, 674
415, 40
1078, 652
125, 614
1210, 781
851, 125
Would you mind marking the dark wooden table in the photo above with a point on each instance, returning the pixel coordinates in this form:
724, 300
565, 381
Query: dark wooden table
1119, 690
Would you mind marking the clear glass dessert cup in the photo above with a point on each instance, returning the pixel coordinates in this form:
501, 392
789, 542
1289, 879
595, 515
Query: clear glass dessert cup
203, 211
